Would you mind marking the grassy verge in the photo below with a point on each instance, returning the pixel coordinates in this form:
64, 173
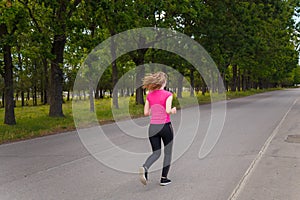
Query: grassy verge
33, 121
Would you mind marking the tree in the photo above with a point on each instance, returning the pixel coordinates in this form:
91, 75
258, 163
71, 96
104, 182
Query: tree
8, 78
147, 14
55, 26
296, 75
254, 37
62, 12
11, 16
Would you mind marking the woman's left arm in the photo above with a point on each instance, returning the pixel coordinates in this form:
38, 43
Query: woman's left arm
147, 110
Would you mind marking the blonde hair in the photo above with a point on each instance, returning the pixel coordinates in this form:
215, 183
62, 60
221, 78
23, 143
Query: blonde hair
154, 81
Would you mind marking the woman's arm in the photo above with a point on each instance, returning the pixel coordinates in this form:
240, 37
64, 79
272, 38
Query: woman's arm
169, 108
147, 110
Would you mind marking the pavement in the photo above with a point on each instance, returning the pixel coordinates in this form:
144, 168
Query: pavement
257, 157
275, 173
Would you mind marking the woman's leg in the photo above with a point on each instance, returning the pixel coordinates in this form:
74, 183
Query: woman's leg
155, 141
167, 137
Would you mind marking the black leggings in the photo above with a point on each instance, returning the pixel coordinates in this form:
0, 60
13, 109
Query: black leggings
158, 132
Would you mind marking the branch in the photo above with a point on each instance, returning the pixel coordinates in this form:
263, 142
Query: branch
25, 3
75, 4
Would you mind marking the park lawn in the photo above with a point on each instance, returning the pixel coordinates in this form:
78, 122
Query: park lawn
33, 121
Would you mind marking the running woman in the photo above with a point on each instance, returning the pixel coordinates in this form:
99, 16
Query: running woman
159, 105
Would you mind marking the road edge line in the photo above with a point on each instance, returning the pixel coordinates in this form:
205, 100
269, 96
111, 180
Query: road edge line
238, 189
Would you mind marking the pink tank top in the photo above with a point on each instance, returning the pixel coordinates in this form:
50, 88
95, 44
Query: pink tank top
157, 101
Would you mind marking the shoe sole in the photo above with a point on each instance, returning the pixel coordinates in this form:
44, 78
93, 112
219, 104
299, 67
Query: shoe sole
164, 184
142, 175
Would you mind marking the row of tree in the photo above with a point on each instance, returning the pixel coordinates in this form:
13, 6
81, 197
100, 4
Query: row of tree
254, 43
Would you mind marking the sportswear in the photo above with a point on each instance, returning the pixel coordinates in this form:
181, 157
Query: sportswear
157, 101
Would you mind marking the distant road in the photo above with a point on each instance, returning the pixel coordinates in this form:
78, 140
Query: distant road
59, 167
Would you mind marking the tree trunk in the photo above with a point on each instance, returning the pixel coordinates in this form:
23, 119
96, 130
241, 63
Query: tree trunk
140, 73
114, 73
23, 98
179, 91
234, 78
68, 96
245, 80
139, 60
9, 117
34, 95
91, 84
45, 81
203, 86
79, 95
20, 65
192, 78
3, 98
42, 94
221, 83
97, 92
34, 91
128, 92
101, 96
8, 85
249, 85
56, 89
213, 82
28, 95
239, 80
61, 16
91, 97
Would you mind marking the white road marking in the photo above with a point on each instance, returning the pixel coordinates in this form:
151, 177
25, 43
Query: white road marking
242, 183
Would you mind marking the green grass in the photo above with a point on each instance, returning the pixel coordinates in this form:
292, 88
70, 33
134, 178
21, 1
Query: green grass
238, 94
33, 121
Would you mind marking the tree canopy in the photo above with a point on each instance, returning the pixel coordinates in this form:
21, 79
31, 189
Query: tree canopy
254, 43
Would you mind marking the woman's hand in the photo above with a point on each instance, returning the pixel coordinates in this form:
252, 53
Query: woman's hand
173, 110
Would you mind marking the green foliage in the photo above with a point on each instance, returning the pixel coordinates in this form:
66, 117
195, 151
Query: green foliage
260, 38
296, 74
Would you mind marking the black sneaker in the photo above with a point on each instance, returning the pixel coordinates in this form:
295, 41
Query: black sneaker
143, 175
164, 181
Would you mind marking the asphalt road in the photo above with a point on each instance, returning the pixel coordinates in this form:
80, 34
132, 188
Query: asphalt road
251, 160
